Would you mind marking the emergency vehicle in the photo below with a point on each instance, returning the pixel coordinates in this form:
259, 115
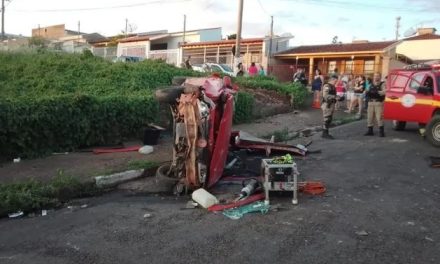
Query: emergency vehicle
413, 95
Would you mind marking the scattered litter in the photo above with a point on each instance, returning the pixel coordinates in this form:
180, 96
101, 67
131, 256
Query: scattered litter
43, 212
31, 215
286, 223
248, 200
410, 223
340, 241
435, 162
147, 215
398, 140
361, 233
276, 207
84, 206
204, 198
238, 213
250, 188
17, 160
191, 205
16, 215
429, 239
146, 150
60, 153
113, 150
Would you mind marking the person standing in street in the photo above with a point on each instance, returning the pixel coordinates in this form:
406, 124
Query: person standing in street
188, 63
329, 99
253, 70
376, 96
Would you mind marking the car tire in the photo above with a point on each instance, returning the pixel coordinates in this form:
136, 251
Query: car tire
168, 94
399, 125
162, 174
178, 80
433, 131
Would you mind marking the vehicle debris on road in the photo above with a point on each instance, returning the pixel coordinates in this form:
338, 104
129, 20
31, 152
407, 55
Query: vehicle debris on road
238, 212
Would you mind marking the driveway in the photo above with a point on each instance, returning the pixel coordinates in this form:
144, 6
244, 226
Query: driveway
381, 206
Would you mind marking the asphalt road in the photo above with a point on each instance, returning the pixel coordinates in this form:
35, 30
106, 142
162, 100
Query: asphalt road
381, 206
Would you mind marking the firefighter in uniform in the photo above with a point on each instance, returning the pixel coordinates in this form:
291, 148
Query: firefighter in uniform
329, 99
376, 96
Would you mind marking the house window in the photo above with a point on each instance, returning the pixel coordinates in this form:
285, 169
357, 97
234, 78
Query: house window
134, 51
159, 46
349, 66
331, 66
369, 67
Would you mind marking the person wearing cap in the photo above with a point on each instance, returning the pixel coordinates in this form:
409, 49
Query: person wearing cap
376, 96
329, 99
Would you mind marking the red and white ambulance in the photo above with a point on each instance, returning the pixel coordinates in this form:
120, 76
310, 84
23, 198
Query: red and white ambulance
413, 95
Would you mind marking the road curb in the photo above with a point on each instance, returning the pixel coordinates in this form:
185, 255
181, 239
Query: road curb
113, 180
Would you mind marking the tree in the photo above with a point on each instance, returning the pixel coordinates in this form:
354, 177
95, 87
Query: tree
131, 27
37, 42
232, 36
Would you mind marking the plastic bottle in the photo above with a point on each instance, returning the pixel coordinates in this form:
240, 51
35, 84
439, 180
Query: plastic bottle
204, 198
249, 189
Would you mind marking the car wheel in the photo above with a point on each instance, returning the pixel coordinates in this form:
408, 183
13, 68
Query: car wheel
399, 125
433, 131
168, 94
178, 80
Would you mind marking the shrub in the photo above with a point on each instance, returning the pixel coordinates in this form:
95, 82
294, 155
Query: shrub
296, 90
32, 195
244, 106
37, 126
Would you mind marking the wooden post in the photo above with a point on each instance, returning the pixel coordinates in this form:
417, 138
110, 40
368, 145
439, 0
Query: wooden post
377, 63
311, 66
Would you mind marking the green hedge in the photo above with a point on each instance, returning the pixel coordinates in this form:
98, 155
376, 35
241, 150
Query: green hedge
37, 126
48, 73
296, 90
244, 106
32, 195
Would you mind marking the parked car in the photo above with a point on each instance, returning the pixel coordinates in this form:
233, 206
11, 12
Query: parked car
413, 95
127, 59
214, 67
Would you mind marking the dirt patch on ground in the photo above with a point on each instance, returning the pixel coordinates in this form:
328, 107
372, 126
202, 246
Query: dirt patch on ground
269, 102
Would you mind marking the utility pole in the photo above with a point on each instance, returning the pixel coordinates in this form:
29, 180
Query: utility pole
3, 19
79, 29
237, 41
397, 27
270, 45
184, 29
126, 27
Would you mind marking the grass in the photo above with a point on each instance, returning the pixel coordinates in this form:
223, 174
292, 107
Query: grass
32, 195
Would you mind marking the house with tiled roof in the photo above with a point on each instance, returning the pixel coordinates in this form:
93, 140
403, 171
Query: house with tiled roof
359, 57
425, 46
251, 50
163, 44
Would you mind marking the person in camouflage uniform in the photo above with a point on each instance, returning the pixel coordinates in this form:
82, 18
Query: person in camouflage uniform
329, 99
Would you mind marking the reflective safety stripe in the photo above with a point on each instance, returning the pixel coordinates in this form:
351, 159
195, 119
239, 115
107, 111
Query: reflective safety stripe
418, 101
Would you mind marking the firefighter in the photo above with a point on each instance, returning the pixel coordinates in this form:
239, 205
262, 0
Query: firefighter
376, 96
329, 99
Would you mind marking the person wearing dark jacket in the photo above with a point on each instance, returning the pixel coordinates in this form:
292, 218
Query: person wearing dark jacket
375, 96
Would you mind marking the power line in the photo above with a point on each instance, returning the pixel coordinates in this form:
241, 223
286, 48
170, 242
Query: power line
353, 5
102, 8
262, 8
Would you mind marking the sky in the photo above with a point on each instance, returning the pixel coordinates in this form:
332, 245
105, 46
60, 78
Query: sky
309, 21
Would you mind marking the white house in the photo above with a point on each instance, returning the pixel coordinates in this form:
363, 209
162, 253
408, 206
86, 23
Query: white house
164, 45
423, 47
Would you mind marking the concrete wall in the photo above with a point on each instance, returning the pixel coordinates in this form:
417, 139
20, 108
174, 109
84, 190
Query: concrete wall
420, 49
51, 32
210, 34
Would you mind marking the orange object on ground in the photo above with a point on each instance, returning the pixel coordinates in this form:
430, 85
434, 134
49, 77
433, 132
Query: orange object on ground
250, 199
107, 150
313, 188
316, 101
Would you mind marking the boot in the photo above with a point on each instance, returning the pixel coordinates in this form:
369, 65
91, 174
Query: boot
326, 135
369, 132
381, 132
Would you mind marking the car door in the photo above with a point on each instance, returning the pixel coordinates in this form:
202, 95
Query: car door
417, 107
395, 87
